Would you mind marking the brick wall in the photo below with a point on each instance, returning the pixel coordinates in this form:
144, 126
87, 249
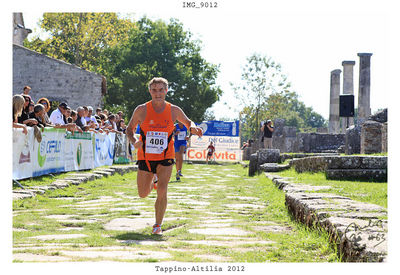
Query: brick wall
55, 79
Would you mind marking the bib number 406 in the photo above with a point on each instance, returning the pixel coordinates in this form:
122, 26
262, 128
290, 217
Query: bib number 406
156, 141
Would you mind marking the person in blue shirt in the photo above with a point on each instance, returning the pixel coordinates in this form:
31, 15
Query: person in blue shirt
181, 138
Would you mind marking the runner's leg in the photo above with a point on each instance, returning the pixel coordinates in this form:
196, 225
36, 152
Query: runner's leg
144, 183
178, 158
164, 174
180, 153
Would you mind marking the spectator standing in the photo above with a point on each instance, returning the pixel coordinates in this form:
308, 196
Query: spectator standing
38, 114
24, 117
26, 90
58, 115
18, 106
121, 127
98, 112
110, 123
46, 104
31, 106
267, 129
92, 117
81, 121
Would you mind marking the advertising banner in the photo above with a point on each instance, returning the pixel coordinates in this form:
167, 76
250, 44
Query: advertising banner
220, 128
121, 149
220, 142
104, 149
78, 151
225, 138
48, 156
22, 153
219, 155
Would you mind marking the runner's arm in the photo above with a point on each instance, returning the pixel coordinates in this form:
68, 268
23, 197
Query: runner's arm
179, 115
135, 119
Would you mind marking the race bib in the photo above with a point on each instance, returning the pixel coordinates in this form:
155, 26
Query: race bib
156, 142
181, 135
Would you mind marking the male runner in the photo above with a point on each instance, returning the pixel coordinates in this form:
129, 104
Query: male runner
181, 138
156, 145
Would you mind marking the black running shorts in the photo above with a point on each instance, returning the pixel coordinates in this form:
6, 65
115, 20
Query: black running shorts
153, 164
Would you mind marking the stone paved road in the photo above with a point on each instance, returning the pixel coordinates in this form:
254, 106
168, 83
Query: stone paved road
215, 214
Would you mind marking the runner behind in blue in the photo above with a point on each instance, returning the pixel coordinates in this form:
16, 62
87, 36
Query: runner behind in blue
181, 137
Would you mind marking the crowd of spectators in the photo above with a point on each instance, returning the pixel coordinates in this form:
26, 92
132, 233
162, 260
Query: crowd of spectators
28, 114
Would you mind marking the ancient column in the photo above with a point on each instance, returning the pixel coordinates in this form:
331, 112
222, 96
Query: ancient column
364, 109
348, 89
334, 102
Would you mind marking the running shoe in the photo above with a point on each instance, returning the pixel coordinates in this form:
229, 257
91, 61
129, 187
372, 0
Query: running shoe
155, 180
180, 173
157, 229
178, 178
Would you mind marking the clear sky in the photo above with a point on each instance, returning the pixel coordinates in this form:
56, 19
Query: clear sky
308, 39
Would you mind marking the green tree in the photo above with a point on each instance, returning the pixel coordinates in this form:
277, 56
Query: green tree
265, 93
80, 38
260, 77
156, 48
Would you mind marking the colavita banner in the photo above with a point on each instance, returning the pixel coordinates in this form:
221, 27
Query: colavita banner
219, 155
225, 138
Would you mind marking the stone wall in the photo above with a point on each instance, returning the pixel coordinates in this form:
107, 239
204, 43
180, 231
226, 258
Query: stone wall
345, 167
316, 143
55, 79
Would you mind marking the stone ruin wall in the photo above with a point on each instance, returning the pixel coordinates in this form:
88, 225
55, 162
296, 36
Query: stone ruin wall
55, 79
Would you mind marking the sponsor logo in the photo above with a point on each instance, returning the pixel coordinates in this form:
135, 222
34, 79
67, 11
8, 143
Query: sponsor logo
223, 155
47, 147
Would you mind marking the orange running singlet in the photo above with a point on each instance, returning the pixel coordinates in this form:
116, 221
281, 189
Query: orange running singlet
156, 133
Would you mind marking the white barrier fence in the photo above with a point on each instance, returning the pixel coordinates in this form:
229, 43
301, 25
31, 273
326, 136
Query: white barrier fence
61, 151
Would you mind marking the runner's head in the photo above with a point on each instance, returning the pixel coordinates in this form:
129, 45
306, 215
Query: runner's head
158, 88
159, 80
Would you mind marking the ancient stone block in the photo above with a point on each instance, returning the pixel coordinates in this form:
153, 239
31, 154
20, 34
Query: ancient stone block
353, 140
378, 175
253, 164
371, 137
268, 156
380, 116
384, 137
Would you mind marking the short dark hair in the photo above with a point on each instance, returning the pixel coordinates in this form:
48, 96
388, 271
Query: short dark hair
27, 87
38, 108
112, 116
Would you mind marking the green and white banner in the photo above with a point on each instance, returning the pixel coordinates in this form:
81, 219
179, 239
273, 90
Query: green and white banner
61, 151
48, 155
78, 151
